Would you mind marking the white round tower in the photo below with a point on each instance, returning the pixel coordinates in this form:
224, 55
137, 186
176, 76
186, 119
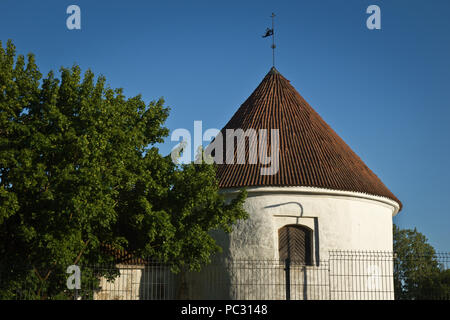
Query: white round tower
319, 198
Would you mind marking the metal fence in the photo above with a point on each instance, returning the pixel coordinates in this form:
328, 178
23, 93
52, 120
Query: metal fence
344, 275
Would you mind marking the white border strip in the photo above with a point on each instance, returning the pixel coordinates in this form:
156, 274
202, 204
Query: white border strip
319, 191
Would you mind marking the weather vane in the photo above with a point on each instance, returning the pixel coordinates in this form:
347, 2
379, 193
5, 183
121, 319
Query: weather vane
271, 32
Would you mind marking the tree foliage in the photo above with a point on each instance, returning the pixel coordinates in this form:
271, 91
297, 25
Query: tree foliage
79, 170
417, 271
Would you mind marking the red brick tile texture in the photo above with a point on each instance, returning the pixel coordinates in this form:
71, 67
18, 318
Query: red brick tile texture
311, 153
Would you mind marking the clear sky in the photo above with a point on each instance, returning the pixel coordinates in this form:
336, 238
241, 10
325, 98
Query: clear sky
385, 92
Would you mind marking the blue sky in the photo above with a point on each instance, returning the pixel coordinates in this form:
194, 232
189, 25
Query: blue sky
385, 92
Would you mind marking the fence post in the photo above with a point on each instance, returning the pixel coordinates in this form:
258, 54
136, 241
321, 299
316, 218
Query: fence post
287, 269
330, 261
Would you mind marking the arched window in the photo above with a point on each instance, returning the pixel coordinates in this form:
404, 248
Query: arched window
295, 243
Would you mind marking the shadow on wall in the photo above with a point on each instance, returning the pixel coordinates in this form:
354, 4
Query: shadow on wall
157, 282
213, 282
286, 203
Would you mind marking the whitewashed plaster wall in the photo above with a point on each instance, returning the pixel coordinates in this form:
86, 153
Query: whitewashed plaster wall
339, 220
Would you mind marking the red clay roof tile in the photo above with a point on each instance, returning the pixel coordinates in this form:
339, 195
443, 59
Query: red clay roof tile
311, 153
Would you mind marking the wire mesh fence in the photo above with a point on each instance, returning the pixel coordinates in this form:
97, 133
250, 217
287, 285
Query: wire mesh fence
344, 275
361, 275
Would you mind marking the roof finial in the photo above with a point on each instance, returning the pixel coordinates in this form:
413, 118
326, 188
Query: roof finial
273, 40
271, 32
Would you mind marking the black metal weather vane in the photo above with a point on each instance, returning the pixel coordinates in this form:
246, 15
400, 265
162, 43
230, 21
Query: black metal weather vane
271, 32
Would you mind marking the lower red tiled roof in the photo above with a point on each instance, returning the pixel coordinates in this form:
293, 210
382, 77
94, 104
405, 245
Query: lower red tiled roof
124, 257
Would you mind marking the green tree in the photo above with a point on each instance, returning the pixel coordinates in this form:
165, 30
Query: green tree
79, 170
417, 271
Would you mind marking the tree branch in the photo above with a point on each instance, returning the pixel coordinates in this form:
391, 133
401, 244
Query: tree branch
81, 252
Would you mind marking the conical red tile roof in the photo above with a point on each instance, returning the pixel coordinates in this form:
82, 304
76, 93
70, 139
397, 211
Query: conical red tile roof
311, 153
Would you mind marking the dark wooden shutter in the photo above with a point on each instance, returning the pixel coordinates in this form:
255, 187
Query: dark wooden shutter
294, 243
